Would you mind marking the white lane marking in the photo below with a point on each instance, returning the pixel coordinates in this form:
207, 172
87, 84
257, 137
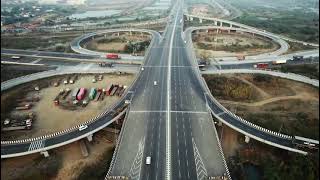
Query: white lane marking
200, 167
135, 169
36, 61
36, 145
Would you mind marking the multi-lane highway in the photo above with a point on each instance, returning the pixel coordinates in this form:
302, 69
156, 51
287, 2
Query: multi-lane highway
169, 121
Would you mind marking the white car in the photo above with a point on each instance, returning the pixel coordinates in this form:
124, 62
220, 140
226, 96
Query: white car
155, 83
83, 127
185, 42
148, 160
142, 69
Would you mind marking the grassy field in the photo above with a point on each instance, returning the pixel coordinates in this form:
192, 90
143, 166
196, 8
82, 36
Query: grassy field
296, 19
13, 71
51, 43
309, 70
276, 104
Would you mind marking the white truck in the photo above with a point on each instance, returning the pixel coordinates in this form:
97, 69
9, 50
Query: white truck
279, 62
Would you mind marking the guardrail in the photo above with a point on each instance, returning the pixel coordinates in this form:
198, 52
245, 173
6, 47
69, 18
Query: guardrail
193, 59
205, 87
6, 85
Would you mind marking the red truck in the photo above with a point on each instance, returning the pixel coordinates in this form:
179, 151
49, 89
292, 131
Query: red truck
81, 94
112, 56
261, 65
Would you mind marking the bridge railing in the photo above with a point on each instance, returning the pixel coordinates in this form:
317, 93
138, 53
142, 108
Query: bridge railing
45, 74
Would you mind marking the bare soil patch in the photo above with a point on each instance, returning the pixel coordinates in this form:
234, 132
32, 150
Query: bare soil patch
49, 117
64, 163
289, 107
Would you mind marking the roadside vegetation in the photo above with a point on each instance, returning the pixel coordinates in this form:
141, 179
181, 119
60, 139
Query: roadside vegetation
309, 70
298, 47
274, 103
295, 19
9, 71
42, 43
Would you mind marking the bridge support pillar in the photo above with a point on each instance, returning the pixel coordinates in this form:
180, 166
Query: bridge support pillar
230, 25
247, 139
220, 24
200, 20
45, 153
215, 23
191, 18
90, 137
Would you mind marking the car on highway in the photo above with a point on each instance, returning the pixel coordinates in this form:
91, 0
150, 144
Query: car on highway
155, 83
148, 160
83, 127
142, 69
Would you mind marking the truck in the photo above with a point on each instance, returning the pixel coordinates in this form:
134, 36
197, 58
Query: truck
279, 62
66, 93
92, 93
105, 64
100, 77
56, 100
75, 93
240, 57
25, 107
118, 90
297, 58
261, 65
73, 79
109, 89
99, 92
113, 56
81, 94
15, 57
114, 89
66, 80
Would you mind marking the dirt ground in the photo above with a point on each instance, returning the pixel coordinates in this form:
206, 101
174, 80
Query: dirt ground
280, 101
64, 163
205, 10
117, 43
243, 41
51, 118
229, 142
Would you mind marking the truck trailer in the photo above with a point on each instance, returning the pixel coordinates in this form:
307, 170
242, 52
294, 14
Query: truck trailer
279, 62
81, 94
112, 56
261, 65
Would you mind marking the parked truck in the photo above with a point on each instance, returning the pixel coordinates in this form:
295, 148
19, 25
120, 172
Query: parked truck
109, 89
261, 65
73, 79
56, 100
75, 93
113, 56
99, 92
297, 58
105, 64
81, 94
92, 93
25, 107
241, 57
114, 89
279, 62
